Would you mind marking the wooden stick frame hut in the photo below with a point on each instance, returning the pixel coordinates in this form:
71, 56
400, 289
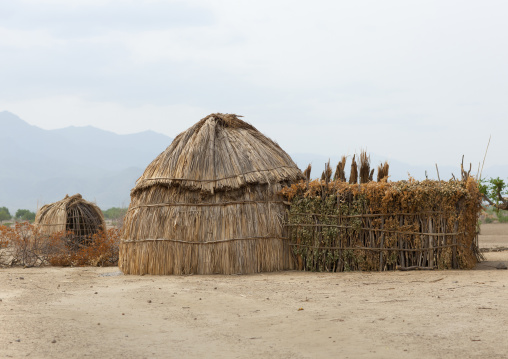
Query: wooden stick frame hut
71, 214
210, 203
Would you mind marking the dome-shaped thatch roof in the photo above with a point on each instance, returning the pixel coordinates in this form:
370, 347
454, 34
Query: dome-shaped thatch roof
210, 203
73, 214
217, 153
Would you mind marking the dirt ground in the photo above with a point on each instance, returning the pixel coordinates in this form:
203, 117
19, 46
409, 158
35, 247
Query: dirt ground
99, 313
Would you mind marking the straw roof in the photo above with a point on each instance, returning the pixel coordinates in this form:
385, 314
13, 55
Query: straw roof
210, 203
70, 214
220, 152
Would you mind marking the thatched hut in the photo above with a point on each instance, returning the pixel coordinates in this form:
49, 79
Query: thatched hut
71, 214
209, 204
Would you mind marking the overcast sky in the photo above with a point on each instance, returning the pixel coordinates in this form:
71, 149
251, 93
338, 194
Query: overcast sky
417, 81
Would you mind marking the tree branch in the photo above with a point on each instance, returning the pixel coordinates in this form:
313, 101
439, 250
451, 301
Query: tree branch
503, 205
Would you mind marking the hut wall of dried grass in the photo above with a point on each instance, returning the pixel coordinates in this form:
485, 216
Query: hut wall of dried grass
210, 203
71, 214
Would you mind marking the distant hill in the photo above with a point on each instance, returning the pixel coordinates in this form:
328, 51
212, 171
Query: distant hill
41, 166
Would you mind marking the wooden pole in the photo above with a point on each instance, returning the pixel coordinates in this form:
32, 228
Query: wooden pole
381, 244
431, 244
454, 252
401, 243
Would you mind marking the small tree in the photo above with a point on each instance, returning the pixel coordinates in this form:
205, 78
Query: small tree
493, 191
4, 214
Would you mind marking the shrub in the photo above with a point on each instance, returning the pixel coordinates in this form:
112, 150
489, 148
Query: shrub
101, 250
26, 246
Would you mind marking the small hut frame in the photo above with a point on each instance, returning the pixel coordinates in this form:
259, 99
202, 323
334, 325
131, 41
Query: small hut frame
210, 203
71, 214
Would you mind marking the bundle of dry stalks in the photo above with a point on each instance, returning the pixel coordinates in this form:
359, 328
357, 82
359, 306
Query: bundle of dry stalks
365, 172
353, 176
340, 174
307, 172
364, 175
382, 172
327, 173
210, 204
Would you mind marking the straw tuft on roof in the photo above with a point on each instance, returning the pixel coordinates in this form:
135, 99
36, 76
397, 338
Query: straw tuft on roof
209, 204
71, 214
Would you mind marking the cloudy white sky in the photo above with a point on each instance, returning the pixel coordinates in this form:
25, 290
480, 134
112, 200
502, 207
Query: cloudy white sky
418, 81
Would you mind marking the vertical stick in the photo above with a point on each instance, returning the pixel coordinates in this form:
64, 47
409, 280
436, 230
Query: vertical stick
431, 244
401, 242
299, 260
421, 255
342, 232
484, 157
445, 241
381, 244
454, 253
371, 234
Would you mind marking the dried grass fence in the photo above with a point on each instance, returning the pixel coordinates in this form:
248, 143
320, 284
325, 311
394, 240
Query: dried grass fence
375, 226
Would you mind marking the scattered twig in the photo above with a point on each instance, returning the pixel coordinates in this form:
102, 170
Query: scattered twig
437, 280
415, 268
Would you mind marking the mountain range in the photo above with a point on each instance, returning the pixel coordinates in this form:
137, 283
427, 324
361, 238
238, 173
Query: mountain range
40, 166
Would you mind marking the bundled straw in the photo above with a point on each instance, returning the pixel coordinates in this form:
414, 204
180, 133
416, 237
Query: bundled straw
327, 173
353, 177
340, 174
382, 172
365, 173
307, 172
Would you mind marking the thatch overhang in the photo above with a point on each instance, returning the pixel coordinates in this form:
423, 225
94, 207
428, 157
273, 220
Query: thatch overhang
71, 214
210, 203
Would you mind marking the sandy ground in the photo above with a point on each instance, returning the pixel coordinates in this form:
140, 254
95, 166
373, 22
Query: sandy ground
99, 313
